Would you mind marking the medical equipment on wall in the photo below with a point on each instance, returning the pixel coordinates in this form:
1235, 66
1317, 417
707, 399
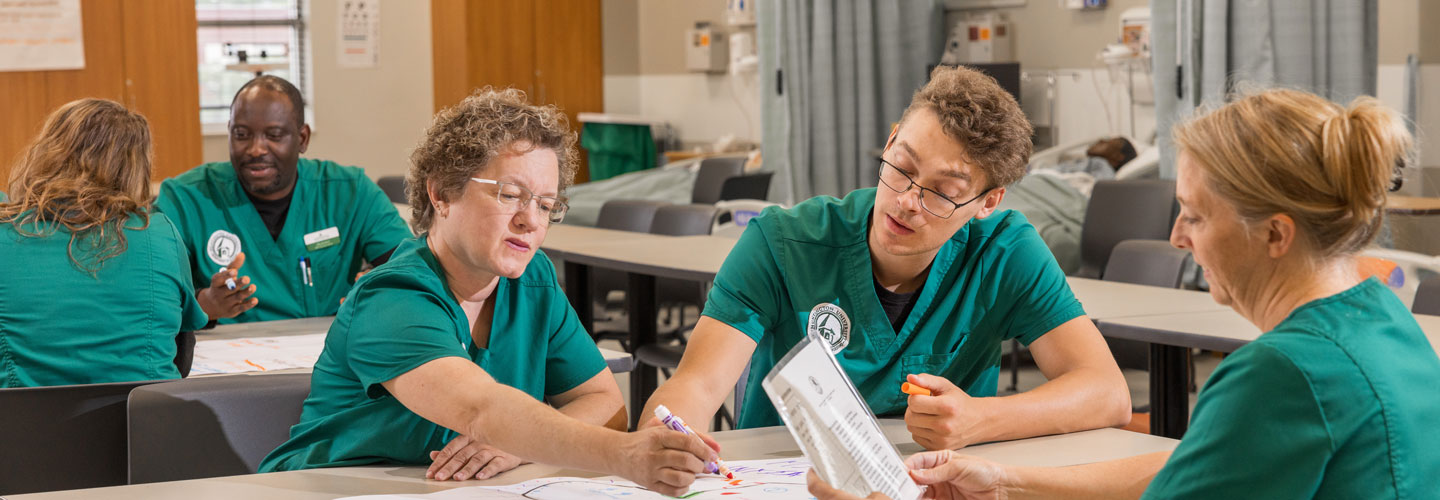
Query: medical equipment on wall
1084, 4
740, 12
1128, 60
705, 49
980, 38
743, 59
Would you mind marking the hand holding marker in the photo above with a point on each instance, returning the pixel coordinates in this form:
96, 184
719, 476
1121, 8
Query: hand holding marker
229, 282
675, 423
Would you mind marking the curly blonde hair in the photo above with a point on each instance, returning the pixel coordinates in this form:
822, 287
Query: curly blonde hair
464, 138
1328, 166
89, 171
983, 117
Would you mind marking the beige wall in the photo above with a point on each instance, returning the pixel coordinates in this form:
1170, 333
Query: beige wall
620, 34
1429, 37
369, 118
1399, 35
1050, 36
646, 37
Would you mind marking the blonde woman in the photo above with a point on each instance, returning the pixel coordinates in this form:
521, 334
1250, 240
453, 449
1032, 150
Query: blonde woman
1278, 191
93, 287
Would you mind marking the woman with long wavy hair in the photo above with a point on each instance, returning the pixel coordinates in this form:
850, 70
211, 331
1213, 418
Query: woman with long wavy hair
93, 287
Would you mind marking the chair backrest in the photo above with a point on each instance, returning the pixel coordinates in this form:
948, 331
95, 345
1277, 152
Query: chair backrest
747, 187
628, 215
211, 426
684, 220
1143, 262
1147, 262
1124, 210
711, 177
394, 188
63, 437
1427, 297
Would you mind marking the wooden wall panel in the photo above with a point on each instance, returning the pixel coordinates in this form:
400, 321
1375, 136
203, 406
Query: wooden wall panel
162, 79
569, 62
30, 96
501, 35
138, 52
450, 51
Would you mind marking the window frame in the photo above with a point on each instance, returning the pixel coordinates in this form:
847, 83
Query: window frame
300, 24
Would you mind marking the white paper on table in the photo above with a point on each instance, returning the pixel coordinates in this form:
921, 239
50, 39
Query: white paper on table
257, 354
833, 425
773, 479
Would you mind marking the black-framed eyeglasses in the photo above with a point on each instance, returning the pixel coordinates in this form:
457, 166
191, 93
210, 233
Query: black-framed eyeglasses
937, 204
516, 197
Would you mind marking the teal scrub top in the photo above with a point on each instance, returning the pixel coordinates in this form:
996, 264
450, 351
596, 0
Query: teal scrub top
342, 213
402, 315
993, 281
60, 325
1338, 401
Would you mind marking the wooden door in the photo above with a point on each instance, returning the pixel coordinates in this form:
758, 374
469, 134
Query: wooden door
569, 62
140, 53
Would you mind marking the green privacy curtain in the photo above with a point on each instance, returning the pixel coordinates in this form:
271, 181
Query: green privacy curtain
834, 74
1206, 49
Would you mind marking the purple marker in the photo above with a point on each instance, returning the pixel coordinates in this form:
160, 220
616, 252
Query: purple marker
675, 423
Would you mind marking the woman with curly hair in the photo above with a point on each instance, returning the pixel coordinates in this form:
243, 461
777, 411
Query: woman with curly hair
95, 287
447, 354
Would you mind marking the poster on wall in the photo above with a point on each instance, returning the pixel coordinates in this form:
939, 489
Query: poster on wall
359, 33
37, 35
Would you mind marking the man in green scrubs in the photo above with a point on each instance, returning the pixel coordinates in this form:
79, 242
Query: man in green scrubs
305, 226
949, 280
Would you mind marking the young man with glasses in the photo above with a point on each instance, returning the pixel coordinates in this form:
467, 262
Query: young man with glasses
949, 280
304, 226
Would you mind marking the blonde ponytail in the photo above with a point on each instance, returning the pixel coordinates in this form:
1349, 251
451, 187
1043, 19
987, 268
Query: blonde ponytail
1291, 152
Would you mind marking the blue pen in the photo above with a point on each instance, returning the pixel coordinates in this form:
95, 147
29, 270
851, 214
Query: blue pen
305, 271
674, 422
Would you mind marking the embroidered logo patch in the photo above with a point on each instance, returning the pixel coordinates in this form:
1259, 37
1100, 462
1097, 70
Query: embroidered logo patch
830, 323
222, 247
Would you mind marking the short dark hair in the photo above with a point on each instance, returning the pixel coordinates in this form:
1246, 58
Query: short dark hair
277, 84
1127, 151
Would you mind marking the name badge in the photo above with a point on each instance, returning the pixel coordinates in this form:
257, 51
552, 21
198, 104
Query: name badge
324, 238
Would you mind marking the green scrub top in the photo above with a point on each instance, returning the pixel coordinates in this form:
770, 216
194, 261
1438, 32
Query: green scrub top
60, 325
402, 315
1338, 401
993, 281
337, 217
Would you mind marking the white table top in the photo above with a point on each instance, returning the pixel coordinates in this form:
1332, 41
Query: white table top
1109, 299
1223, 331
618, 361
769, 442
683, 257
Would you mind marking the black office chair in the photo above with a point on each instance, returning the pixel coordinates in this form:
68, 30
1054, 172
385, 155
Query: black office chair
622, 215
1144, 262
211, 426
676, 220
1124, 210
394, 188
710, 179
747, 187
63, 437
1427, 298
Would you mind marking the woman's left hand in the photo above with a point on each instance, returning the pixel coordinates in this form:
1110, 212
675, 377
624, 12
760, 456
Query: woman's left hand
465, 458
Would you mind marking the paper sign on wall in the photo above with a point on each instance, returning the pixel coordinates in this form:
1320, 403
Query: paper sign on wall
359, 32
40, 35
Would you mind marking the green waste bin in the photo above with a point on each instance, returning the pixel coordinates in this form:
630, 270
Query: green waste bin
617, 148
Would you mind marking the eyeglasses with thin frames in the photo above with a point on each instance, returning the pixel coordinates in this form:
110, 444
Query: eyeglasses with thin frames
937, 204
517, 198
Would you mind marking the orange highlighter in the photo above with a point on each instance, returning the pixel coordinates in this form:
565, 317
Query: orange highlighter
914, 390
